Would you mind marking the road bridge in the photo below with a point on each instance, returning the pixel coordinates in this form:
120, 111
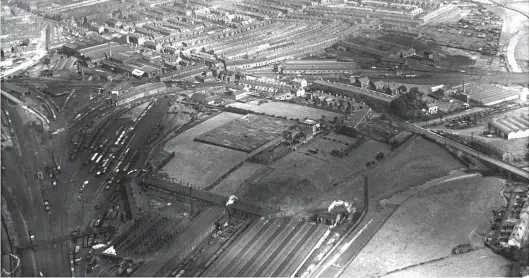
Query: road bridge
500, 164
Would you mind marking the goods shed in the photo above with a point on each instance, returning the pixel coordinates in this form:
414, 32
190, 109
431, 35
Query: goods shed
491, 94
511, 127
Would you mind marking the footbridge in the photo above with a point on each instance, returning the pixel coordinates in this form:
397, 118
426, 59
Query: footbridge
174, 187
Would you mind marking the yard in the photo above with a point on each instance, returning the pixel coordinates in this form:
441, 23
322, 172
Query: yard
302, 182
428, 225
289, 110
135, 112
246, 133
198, 163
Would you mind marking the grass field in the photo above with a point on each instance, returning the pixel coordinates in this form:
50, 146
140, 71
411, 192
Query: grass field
198, 163
428, 225
483, 262
303, 183
246, 133
285, 109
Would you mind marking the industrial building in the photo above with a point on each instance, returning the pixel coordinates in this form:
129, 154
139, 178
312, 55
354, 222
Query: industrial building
491, 94
135, 93
316, 67
511, 127
93, 51
65, 67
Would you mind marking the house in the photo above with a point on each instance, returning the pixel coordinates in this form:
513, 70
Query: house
379, 85
238, 95
299, 83
310, 125
365, 82
198, 98
432, 108
153, 45
300, 92
214, 100
282, 95
227, 75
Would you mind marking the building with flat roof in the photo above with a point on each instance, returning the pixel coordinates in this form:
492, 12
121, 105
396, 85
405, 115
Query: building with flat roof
510, 128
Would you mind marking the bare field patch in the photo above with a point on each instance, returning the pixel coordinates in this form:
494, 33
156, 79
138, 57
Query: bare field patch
289, 110
198, 163
246, 133
428, 225
303, 183
233, 182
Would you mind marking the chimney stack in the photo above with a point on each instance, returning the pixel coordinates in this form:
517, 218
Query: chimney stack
109, 50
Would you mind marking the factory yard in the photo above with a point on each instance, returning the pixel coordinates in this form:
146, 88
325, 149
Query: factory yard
285, 109
197, 163
246, 133
428, 225
302, 183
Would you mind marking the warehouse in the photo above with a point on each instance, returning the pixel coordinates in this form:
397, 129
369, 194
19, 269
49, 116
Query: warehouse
316, 67
93, 51
511, 127
491, 94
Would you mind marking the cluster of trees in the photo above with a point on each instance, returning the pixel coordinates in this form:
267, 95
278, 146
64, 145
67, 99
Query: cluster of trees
343, 105
408, 105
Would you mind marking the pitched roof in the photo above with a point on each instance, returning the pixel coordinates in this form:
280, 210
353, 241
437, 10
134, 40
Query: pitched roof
199, 97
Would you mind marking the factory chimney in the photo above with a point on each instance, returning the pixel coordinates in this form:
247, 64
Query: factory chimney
109, 50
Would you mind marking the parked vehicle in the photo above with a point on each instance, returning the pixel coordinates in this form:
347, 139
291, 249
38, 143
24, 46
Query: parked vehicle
462, 248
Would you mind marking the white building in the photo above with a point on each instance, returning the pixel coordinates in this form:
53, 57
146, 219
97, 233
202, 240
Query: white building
442, 11
511, 128
432, 108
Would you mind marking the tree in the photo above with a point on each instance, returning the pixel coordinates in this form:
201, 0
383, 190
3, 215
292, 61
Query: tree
357, 82
399, 107
372, 86
402, 89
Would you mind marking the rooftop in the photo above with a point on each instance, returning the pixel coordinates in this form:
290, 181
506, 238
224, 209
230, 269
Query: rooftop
512, 124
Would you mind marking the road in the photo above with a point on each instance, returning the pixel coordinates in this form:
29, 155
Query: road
443, 140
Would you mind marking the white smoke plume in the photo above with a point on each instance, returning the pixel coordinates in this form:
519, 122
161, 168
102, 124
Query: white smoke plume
232, 200
110, 251
346, 205
99, 246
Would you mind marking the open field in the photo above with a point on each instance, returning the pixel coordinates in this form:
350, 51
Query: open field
303, 183
246, 133
480, 263
429, 224
231, 184
198, 163
285, 109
